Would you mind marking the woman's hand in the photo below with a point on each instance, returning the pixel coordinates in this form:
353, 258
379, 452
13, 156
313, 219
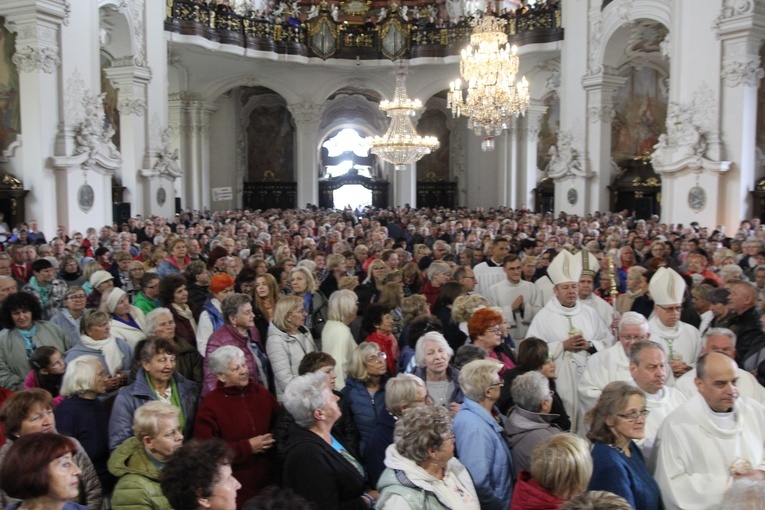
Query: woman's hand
260, 444
454, 407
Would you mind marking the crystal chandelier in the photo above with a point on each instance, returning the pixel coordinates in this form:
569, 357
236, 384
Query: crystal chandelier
489, 66
401, 144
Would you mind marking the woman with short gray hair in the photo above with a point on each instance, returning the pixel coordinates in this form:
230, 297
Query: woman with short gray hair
239, 330
316, 465
433, 355
188, 362
529, 421
243, 414
422, 471
438, 274
480, 437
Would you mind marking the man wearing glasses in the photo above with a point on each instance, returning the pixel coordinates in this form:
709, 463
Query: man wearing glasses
681, 341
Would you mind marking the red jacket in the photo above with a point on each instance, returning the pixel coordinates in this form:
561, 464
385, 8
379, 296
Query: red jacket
431, 293
528, 495
389, 346
236, 414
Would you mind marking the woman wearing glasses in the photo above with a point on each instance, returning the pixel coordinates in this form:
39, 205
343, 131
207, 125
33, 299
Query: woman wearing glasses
485, 331
616, 422
68, 318
288, 341
365, 388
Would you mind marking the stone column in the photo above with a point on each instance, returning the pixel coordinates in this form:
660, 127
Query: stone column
307, 116
404, 184
600, 89
37, 25
741, 76
131, 80
197, 171
513, 163
531, 174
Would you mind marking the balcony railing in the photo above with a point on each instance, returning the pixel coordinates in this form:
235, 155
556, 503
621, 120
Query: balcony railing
539, 24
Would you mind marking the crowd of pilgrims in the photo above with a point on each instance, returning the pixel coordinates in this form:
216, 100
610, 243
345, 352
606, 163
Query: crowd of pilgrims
392, 359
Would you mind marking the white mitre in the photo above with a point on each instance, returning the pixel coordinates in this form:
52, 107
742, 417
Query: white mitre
565, 267
590, 264
667, 287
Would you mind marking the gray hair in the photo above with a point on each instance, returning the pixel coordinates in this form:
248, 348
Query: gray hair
732, 271
476, 376
230, 306
420, 429
720, 331
633, 319
400, 392
639, 347
306, 272
436, 268
341, 305
218, 360
598, 500
305, 394
357, 368
464, 306
153, 317
529, 390
432, 336
146, 418
80, 375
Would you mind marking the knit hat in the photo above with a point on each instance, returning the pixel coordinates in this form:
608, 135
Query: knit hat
220, 282
667, 287
590, 264
565, 267
100, 277
114, 296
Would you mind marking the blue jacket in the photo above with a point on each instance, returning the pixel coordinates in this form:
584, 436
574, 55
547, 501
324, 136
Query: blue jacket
625, 476
137, 394
366, 410
482, 448
80, 350
216, 317
453, 375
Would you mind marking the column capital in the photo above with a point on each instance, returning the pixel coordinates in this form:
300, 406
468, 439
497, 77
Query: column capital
36, 25
607, 80
306, 113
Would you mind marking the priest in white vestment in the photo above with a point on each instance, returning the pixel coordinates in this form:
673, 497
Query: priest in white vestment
590, 267
516, 297
711, 440
723, 340
490, 272
650, 371
681, 341
573, 330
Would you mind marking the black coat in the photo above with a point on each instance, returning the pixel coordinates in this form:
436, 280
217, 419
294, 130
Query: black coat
315, 471
506, 402
750, 338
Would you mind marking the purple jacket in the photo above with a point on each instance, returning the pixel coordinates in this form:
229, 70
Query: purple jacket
229, 335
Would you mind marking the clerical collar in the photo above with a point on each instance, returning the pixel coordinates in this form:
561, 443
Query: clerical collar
655, 396
723, 421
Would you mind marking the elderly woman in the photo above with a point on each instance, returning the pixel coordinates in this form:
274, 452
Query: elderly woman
68, 319
411, 278
137, 462
529, 422
148, 298
391, 297
422, 470
156, 380
337, 339
24, 331
128, 322
433, 355
485, 328
336, 269
401, 393
365, 388
175, 297
211, 318
199, 477
30, 412
288, 341
560, 470
304, 286
41, 472
137, 271
438, 274
100, 282
239, 330
70, 271
242, 413
369, 290
176, 263
188, 362
114, 354
378, 322
616, 422
317, 466
478, 428
462, 310
82, 414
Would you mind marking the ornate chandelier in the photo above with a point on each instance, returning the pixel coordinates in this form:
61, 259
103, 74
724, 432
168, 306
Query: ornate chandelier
489, 66
401, 144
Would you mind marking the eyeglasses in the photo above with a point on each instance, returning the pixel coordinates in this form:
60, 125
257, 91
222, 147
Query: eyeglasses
380, 356
500, 383
300, 312
78, 296
671, 309
449, 436
634, 416
632, 338
496, 330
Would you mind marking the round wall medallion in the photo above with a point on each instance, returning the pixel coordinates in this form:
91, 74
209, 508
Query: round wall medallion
161, 196
85, 197
697, 198
572, 196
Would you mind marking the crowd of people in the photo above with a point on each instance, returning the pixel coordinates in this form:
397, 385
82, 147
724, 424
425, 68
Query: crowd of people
396, 358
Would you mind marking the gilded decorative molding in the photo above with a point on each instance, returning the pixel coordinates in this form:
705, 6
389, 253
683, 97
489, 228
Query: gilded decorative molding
747, 73
30, 59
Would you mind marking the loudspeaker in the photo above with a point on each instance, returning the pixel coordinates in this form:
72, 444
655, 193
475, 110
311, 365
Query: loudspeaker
121, 212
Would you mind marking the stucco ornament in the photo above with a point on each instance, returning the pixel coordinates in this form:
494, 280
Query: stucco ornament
167, 164
747, 73
30, 59
564, 159
93, 138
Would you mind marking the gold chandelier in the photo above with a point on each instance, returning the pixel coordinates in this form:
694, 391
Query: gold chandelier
489, 66
401, 145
